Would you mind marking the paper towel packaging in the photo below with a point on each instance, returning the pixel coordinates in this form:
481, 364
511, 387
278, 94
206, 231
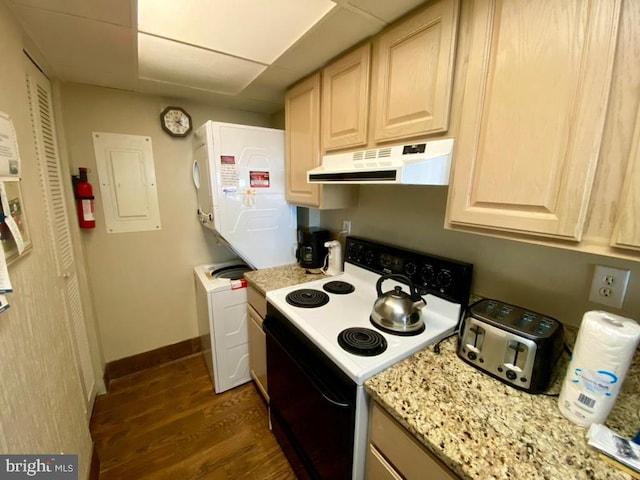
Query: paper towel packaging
601, 357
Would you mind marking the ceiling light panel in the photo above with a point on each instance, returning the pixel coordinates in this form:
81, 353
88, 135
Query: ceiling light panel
258, 30
177, 63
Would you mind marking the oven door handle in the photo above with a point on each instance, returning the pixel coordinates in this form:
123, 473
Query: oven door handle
330, 400
311, 379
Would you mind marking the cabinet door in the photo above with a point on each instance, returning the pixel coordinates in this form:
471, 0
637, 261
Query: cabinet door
345, 100
626, 233
402, 454
257, 352
302, 150
412, 85
302, 140
534, 106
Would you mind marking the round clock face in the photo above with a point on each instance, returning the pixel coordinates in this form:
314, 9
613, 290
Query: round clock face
175, 121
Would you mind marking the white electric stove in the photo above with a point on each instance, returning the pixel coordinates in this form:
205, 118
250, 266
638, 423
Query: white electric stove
323, 324
322, 346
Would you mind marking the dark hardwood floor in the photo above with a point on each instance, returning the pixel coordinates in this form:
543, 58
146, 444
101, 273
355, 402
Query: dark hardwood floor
166, 423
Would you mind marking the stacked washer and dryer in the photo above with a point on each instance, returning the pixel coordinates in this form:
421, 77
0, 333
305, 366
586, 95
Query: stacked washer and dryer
238, 172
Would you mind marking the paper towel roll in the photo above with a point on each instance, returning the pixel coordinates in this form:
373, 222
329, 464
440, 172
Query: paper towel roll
601, 357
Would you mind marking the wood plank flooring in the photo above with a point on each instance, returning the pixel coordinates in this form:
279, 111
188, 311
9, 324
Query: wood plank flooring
166, 423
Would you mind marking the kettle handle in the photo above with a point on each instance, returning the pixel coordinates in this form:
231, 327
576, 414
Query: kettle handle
401, 278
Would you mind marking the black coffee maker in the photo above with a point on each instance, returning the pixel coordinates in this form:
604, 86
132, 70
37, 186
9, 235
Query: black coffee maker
311, 251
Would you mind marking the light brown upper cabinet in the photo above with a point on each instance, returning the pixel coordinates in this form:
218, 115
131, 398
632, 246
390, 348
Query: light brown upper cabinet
626, 233
302, 150
535, 101
345, 100
412, 74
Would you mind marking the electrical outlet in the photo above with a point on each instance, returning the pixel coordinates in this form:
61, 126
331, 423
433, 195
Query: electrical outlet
346, 227
609, 285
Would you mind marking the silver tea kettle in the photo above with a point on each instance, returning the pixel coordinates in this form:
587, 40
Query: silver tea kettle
397, 311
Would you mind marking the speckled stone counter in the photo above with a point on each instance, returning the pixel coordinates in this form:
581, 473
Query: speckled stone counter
484, 429
279, 277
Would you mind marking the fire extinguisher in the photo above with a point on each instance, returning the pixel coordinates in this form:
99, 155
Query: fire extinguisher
84, 200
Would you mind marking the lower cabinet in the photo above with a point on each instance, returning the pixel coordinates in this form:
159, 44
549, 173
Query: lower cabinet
257, 309
393, 453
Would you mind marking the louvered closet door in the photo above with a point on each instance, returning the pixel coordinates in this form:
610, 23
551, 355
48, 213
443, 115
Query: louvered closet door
44, 136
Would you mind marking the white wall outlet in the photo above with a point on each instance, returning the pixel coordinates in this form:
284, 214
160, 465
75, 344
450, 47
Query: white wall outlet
346, 227
609, 285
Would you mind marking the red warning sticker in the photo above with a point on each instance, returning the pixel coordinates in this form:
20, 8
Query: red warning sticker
227, 159
259, 179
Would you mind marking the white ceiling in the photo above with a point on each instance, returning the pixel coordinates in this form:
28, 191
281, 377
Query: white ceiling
96, 42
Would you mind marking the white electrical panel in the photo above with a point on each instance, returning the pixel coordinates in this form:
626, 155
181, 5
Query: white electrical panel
127, 182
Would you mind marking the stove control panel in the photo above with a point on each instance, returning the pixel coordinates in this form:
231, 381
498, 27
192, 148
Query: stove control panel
444, 277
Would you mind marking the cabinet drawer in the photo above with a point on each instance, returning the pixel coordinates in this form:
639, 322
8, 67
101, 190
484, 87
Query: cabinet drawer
378, 468
403, 452
257, 351
257, 300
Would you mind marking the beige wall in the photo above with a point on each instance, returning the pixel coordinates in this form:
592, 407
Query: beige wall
142, 282
546, 279
41, 400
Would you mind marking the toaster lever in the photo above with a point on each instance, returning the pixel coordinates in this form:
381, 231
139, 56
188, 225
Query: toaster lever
518, 349
477, 331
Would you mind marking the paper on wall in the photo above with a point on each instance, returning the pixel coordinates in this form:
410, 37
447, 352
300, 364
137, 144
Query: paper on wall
9, 220
9, 155
5, 281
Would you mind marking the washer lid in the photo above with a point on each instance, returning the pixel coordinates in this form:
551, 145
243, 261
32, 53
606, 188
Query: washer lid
230, 272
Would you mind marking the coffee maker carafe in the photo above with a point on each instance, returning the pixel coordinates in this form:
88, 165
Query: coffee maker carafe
311, 251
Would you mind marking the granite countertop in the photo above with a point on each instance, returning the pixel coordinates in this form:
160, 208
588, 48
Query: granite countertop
484, 429
279, 277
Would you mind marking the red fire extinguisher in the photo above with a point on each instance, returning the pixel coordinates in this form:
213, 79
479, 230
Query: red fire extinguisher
84, 200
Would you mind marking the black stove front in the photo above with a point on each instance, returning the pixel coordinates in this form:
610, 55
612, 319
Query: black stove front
312, 403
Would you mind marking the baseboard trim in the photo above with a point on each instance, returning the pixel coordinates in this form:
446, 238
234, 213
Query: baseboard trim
94, 469
152, 358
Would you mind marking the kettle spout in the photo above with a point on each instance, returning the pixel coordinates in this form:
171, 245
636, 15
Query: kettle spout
418, 304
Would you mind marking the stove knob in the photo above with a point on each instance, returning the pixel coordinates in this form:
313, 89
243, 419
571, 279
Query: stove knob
427, 274
410, 269
351, 251
444, 279
511, 375
369, 257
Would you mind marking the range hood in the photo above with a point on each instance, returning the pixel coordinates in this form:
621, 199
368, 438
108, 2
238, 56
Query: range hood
425, 163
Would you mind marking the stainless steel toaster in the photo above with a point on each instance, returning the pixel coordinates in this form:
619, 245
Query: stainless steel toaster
515, 345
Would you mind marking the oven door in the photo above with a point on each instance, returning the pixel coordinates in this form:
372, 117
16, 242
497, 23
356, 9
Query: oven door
312, 403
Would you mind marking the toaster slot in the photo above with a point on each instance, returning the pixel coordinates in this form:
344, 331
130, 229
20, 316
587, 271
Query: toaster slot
474, 337
516, 355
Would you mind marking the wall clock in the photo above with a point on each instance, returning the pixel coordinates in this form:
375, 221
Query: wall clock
176, 121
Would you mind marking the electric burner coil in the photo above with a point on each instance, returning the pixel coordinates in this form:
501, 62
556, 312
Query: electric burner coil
362, 341
307, 298
338, 287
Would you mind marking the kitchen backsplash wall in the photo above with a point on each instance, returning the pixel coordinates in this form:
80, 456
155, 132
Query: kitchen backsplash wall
546, 279
142, 282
